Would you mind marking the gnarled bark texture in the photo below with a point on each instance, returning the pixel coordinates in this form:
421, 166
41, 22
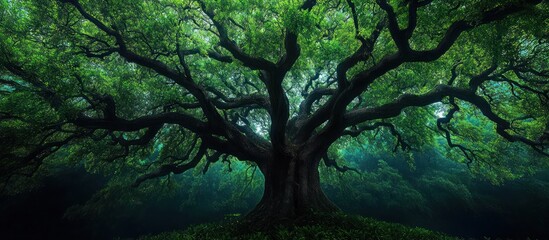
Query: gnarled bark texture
292, 189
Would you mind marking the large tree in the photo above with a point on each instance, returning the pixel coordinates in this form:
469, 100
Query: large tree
166, 86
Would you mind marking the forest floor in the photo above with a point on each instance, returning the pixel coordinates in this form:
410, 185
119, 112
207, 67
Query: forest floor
333, 226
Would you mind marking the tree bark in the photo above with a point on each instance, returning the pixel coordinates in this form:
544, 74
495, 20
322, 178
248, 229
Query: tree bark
292, 189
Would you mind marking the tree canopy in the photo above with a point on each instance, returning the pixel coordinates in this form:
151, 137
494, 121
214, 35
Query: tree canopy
161, 87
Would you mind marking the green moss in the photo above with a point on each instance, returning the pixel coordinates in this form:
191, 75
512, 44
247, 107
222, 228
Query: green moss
333, 226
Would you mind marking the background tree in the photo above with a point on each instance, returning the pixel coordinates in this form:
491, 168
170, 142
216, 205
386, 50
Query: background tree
162, 87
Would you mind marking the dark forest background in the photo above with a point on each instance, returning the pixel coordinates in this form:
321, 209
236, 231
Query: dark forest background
421, 189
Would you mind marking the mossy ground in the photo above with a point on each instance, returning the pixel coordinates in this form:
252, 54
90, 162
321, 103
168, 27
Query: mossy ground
333, 226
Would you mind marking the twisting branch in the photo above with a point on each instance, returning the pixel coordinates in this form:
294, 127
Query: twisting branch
182, 62
307, 126
155, 65
216, 123
252, 100
38, 154
225, 133
97, 53
329, 162
454, 73
271, 74
393, 109
362, 53
180, 159
355, 21
119, 124
310, 81
400, 140
477, 80
47, 93
399, 36
412, 17
209, 160
468, 153
145, 139
334, 110
255, 63
212, 54
172, 168
458, 27
502, 78
225, 159
315, 95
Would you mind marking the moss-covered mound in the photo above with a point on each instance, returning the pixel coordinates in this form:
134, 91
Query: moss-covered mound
333, 226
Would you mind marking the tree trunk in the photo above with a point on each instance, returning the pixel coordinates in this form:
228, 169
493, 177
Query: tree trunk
292, 189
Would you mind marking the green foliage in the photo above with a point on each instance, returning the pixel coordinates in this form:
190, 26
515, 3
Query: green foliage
36, 33
335, 226
440, 186
383, 187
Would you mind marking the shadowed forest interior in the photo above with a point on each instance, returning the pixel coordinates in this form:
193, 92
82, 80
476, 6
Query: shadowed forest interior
436, 193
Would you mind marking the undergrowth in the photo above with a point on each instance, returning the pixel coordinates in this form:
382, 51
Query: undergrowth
332, 226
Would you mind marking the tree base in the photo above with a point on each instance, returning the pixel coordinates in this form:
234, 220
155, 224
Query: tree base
266, 215
314, 226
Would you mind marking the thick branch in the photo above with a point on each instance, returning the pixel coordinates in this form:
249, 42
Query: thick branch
255, 63
396, 33
153, 64
315, 95
119, 124
361, 54
394, 109
337, 105
146, 138
252, 100
212, 54
455, 30
216, 122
